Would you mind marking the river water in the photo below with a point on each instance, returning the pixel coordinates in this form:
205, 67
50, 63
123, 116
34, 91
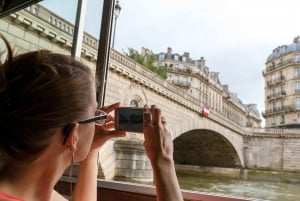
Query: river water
272, 191
263, 190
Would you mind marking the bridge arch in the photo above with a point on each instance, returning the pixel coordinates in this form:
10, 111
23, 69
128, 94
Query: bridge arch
205, 129
204, 147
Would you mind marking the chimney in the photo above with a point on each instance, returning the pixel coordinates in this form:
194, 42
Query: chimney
186, 54
226, 88
202, 62
169, 51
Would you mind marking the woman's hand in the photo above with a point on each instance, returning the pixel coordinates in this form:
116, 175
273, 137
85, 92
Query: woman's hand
158, 141
159, 147
106, 131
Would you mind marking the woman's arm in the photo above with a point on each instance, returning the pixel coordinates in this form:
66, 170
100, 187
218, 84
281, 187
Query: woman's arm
159, 148
86, 186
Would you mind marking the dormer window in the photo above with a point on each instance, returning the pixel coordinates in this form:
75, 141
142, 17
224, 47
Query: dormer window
176, 57
296, 58
161, 56
183, 59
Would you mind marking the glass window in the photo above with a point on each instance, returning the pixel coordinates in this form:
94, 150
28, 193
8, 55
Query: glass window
183, 59
273, 121
297, 86
297, 72
296, 58
134, 103
35, 10
176, 77
297, 103
176, 57
281, 104
273, 79
282, 119
161, 57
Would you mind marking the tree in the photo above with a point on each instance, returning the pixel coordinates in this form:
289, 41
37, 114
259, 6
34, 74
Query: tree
147, 60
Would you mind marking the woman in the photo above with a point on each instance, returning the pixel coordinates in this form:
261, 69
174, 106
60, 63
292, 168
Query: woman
47, 110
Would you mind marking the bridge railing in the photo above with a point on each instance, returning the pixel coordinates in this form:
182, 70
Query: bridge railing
273, 131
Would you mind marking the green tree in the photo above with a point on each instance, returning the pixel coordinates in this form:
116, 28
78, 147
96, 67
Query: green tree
147, 60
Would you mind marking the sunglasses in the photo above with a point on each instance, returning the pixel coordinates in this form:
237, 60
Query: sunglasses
99, 118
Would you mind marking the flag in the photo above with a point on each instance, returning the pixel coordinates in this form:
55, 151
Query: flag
205, 111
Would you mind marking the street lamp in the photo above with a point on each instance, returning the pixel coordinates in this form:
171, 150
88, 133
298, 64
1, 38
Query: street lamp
116, 13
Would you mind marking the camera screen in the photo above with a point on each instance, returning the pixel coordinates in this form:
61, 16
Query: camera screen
130, 119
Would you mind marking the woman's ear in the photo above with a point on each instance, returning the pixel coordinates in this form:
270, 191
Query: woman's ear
71, 139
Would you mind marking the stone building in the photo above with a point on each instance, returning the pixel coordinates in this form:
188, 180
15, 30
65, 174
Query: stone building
282, 86
195, 77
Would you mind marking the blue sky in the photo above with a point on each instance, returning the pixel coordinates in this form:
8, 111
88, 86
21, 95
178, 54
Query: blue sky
235, 37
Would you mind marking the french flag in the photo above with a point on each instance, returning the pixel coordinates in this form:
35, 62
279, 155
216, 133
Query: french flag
205, 111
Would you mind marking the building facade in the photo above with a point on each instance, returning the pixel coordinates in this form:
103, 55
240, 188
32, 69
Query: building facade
195, 78
282, 86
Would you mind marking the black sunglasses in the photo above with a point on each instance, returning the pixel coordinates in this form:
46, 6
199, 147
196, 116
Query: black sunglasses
100, 115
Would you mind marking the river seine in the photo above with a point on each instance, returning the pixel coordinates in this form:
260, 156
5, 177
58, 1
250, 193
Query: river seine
262, 190
272, 191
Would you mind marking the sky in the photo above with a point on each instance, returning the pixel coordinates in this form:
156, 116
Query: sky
234, 36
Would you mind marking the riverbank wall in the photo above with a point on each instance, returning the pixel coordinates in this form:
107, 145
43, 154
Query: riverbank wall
240, 173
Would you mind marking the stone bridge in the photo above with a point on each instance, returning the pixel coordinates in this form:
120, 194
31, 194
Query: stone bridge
201, 141
213, 141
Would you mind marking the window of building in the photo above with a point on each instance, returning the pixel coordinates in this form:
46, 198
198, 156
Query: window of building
273, 121
35, 10
55, 22
183, 59
297, 87
185, 80
297, 103
281, 61
50, 19
297, 72
296, 58
273, 107
176, 57
273, 79
281, 104
273, 92
282, 119
134, 103
161, 56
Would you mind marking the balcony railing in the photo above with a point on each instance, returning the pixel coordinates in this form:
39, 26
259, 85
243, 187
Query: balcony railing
179, 70
182, 83
276, 95
276, 80
285, 108
280, 65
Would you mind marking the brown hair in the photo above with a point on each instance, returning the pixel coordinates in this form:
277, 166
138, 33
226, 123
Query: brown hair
40, 91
